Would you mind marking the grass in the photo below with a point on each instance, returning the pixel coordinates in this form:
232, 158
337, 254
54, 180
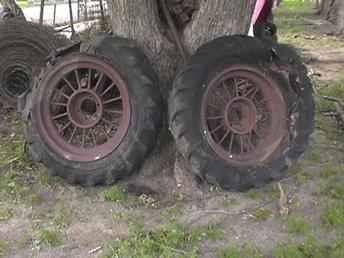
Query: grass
63, 218
49, 238
245, 251
13, 186
148, 201
261, 214
333, 188
333, 215
172, 240
17, 168
311, 248
4, 245
5, 214
22, 3
115, 194
296, 30
298, 225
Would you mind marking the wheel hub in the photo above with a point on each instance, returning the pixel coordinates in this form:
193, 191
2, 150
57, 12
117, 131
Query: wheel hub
241, 115
16, 80
85, 109
83, 112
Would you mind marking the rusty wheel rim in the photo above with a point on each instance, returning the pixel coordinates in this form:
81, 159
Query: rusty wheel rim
16, 80
84, 112
243, 116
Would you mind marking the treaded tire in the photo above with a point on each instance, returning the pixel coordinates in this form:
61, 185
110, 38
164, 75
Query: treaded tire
145, 120
185, 106
266, 31
24, 47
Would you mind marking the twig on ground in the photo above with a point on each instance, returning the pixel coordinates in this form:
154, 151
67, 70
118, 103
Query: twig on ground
95, 250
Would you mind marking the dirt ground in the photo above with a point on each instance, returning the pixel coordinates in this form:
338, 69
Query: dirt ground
45, 217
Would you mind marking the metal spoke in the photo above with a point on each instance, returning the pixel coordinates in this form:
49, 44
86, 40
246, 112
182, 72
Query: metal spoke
72, 135
224, 136
236, 89
216, 128
112, 100
83, 137
101, 76
213, 106
77, 78
68, 83
224, 85
119, 112
93, 137
231, 143
106, 134
59, 104
107, 89
215, 118
89, 78
220, 97
249, 142
65, 126
252, 91
108, 122
59, 116
63, 94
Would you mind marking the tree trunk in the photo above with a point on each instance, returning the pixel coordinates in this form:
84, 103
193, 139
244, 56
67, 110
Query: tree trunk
12, 5
41, 13
143, 22
102, 15
71, 20
333, 10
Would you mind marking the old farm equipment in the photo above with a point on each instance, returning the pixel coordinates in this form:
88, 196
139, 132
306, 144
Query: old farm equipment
241, 111
24, 47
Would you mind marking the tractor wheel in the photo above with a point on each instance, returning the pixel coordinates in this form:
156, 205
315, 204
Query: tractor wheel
237, 117
24, 47
93, 117
266, 31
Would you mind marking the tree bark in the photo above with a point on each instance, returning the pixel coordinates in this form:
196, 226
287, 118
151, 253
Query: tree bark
71, 20
12, 5
142, 22
333, 10
41, 12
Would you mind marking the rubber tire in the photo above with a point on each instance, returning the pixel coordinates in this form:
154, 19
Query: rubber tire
27, 44
146, 119
261, 32
185, 110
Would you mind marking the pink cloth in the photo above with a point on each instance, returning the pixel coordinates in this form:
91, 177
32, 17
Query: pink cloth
257, 10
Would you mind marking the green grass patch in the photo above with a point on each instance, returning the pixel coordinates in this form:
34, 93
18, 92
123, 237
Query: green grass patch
5, 214
333, 188
12, 147
335, 90
49, 238
311, 248
173, 240
4, 246
262, 214
13, 187
294, 28
245, 251
254, 194
63, 218
23, 3
333, 215
298, 225
115, 194
330, 170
